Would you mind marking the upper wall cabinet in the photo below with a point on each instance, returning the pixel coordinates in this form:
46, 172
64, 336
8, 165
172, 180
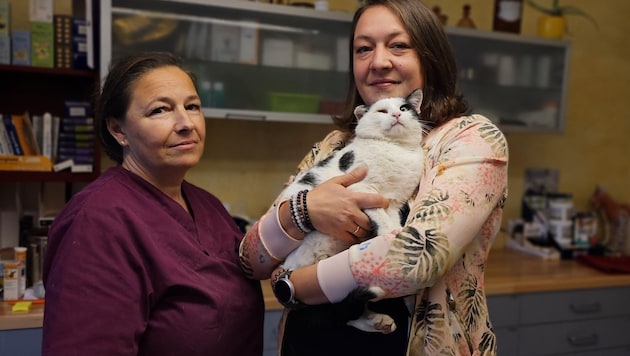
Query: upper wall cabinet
519, 82
261, 61
252, 60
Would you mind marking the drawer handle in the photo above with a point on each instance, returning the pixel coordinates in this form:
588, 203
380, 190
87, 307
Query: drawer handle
245, 116
586, 308
581, 341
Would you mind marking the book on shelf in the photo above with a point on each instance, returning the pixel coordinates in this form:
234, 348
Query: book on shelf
5, 48
5, 143
25, 163
21, 123
77, 135
42, 44
42, 126
82, 168
5, 17
63, 40
80, 43
12, 133
62, 165
21, 47
30, 134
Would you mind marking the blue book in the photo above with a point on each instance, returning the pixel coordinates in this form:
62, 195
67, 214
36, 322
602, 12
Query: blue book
5, 49
13, 136
21, 47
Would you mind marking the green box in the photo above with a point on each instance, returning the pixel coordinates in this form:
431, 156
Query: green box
290, 102
42, 45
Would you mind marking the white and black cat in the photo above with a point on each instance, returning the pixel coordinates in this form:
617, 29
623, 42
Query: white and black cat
388, 140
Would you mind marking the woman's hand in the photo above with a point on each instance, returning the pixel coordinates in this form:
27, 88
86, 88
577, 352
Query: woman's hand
338, 212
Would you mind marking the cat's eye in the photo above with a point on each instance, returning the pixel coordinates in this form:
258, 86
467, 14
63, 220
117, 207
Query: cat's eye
405, 107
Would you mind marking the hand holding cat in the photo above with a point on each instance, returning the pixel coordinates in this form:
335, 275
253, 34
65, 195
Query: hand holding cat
337, 211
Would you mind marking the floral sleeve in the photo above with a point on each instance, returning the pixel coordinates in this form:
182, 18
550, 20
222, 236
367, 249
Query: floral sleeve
458, 205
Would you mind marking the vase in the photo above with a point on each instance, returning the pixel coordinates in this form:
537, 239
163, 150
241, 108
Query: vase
552, 27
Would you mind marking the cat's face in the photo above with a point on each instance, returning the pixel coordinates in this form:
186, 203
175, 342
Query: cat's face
394, 118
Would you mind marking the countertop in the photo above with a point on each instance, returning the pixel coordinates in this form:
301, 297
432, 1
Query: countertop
507, 272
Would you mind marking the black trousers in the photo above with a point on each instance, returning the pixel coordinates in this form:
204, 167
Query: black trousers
302, 337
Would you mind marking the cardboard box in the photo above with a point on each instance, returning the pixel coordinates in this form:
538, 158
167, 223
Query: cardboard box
225, 43
278, 52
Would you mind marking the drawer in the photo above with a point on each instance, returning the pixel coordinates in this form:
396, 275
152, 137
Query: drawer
503, 310
622, 351
507, 341
574, 305
270, 334
574, 337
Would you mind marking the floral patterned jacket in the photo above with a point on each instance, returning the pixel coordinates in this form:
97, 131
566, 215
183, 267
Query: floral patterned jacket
440, 254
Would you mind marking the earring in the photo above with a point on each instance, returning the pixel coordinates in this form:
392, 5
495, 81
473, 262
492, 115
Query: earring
122, 142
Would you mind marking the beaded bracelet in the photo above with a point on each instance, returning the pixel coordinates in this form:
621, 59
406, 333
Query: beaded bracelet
307, 219
299, 212
296, 216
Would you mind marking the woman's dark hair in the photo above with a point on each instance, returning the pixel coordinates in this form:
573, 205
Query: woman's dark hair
442, 100
113, 100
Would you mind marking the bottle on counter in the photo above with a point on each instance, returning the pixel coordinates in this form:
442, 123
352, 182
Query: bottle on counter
218, 95
507, 15
466, 21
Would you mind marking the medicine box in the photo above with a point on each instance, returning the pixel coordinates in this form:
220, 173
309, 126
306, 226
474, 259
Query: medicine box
14, 280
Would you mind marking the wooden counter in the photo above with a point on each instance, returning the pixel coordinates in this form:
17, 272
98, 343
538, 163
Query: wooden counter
20, 320
507, 272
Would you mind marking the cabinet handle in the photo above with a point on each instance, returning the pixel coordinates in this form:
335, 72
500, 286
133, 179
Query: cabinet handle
587, 340
245, 116
586, 308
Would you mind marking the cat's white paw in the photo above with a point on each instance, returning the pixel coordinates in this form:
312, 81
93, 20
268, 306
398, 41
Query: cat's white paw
378, 291
374, 322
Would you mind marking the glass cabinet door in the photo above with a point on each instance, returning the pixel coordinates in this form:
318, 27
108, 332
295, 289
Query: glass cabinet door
252, 60
519, 82
260, 61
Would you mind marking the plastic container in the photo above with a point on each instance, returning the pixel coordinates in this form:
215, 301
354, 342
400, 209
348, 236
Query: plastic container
289, 102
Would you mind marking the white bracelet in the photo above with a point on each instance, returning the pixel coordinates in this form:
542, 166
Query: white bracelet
276, 241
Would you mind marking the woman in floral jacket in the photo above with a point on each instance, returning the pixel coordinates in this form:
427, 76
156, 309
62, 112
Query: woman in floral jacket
438, 256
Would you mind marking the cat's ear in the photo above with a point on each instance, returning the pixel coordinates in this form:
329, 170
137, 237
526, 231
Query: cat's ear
415, 99
360, 110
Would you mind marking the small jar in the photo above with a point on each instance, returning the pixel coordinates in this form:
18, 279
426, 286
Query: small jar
321, 5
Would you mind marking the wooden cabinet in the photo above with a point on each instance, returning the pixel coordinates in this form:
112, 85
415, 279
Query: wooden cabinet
573, 322
578, 322
270, 337
285, 63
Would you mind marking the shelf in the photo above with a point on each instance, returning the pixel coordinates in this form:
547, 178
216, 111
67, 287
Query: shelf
13, 69
22, 176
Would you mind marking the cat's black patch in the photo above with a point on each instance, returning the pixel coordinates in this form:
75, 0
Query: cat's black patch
403, 213
325, 161
309, 179
346, 161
